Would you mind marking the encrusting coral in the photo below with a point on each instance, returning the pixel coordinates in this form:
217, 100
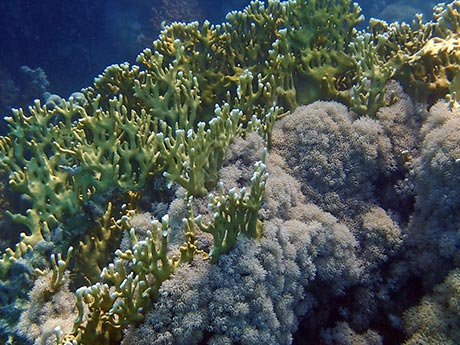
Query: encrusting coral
86, 166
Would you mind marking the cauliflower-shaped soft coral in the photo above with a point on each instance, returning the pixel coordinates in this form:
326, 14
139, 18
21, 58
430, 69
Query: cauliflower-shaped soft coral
433, 236
338, 160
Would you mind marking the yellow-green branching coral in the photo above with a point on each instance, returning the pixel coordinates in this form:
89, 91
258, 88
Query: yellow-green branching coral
169, 92
215, 54
423, 56
116, 80
193, 157
235, 213
37, 168
60, 158
59, 266
95, 249
318, 33
368, 93
115, 148
447, 18
11, 256
128, 285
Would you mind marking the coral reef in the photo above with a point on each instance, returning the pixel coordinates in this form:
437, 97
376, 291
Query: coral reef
269, 221
258, 291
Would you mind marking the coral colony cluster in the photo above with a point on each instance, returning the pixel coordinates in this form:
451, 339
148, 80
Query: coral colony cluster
279, 178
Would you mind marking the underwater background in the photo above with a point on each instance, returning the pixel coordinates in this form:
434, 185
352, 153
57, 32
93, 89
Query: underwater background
291, 177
